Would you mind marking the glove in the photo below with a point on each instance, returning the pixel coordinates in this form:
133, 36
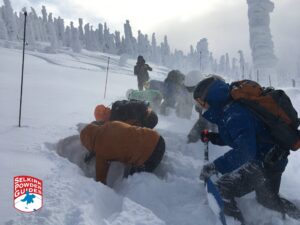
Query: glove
213, 137
205, 137
207, 171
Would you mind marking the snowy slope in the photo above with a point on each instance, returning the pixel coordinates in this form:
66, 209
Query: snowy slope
60, 91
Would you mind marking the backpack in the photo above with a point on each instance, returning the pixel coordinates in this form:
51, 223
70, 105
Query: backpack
274, 108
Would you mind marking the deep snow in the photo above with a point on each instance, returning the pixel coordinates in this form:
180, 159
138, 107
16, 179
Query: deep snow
60, 91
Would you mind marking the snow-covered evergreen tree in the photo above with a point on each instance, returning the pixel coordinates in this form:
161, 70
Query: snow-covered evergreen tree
3, 30
128, 40
44, 14
221, 67
165, 52
75, 42
100, 37
154, 52
36, 25
60, 30
203, 55
9, 20
30, 31
118, 40
67, 37
227, 64
87, 37
242, 64
52, 34
262, 46
80, 31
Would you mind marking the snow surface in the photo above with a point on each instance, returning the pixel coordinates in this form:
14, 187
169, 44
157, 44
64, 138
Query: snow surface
60, 91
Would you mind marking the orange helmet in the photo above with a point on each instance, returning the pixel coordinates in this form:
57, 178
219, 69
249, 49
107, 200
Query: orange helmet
102, 113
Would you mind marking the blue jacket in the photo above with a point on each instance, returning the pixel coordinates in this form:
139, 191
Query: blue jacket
239, 129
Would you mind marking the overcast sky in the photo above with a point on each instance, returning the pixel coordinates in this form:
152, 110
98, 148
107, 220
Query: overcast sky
223, 22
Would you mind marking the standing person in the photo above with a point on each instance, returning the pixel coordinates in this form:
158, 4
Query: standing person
141, 71
244, 168
140, 148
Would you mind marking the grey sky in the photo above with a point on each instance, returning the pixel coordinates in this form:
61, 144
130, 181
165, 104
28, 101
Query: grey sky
223, 22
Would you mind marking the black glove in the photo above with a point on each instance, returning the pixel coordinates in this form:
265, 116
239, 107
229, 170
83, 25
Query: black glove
204, 136
207, 171
207, 136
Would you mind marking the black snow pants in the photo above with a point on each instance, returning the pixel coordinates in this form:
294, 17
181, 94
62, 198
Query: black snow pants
153, 161
250, 177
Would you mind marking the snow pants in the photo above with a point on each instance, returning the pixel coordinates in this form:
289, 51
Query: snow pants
250, 177
154, 160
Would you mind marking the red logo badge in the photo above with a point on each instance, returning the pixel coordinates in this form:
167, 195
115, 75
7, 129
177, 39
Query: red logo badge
28, 193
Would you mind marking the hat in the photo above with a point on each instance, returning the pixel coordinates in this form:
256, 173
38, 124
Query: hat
102, 113
140, 58
203, 87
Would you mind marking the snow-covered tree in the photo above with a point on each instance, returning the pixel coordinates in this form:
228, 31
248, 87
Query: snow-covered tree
44, 14
100, 36
75, 42
165, 52
118, 40
242, 64
9, 20
80, 30
67, 37
52, 33
203, 55
227, 64
3, 30
60, 29
154, 51
128, 40
221, 67
87, 37
262, 47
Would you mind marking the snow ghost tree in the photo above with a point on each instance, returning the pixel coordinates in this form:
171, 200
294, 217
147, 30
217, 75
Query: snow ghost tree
202, 51
3, 30
242, 64
261, 43
9, 19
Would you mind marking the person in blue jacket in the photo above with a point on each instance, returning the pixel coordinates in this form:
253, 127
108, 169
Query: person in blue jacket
243, 168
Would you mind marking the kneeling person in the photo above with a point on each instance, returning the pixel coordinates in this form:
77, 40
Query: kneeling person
141, 148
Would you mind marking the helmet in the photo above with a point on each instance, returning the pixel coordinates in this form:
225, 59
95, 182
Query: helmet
102, 113
193, 78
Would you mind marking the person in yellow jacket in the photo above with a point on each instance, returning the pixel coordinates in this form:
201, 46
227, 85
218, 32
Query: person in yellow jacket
141, 148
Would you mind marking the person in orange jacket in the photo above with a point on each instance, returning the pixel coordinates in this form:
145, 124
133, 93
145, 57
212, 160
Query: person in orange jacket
141, 148
133, 112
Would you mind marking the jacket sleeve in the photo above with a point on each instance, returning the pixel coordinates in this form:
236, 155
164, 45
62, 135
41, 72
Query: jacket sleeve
216, 139
136, 70
242, 133
148, 67
102, 167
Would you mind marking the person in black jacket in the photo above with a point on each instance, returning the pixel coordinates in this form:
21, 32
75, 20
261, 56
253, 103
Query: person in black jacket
141, 71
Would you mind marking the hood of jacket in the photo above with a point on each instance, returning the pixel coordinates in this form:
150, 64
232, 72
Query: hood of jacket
218, 96
88, 136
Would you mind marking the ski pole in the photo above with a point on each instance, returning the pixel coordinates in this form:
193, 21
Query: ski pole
22, 75
106, 76
206, 140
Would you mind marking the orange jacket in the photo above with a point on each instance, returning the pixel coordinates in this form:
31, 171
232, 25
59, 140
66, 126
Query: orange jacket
118, 141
